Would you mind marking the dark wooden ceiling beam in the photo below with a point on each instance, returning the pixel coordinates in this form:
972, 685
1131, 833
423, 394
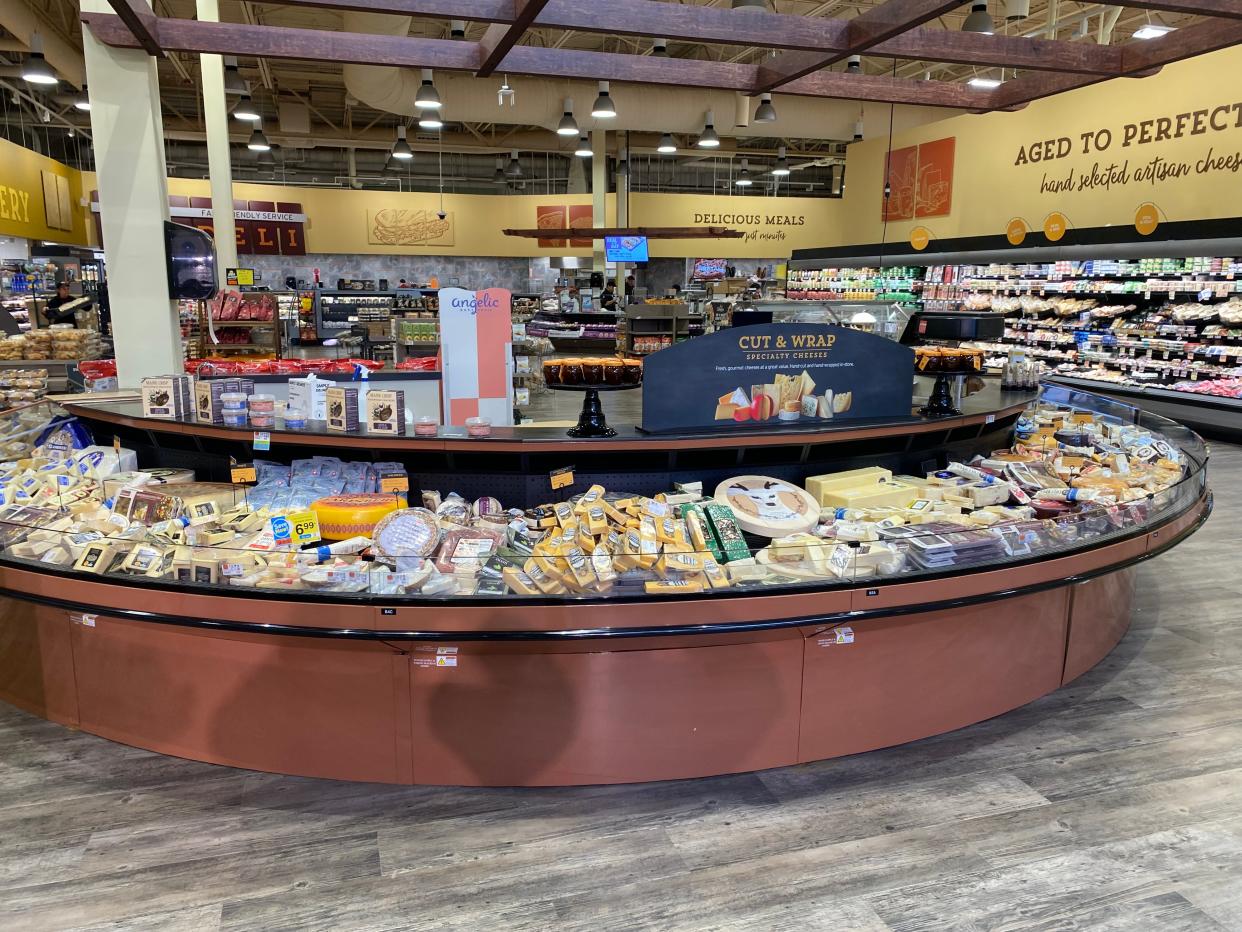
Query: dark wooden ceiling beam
868, 29
458, 55
972, 48
500, 38
1138, 58
141, 23
1227, 9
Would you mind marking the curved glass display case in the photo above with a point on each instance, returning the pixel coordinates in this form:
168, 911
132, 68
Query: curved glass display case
342, 613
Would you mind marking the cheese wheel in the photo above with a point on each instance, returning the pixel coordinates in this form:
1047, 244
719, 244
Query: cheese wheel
344, 516
768, 507
413, 532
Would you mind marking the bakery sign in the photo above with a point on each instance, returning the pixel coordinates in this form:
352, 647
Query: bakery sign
261, 228
777, 377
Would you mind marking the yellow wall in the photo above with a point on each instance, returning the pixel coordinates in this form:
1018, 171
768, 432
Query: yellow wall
990, 189
22, 209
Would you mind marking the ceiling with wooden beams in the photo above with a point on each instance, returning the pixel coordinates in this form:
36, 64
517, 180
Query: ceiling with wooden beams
912, 51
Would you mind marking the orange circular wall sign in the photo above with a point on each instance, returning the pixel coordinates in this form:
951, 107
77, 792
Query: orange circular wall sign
1016, 231
1055, 226
1147, 218
920, 237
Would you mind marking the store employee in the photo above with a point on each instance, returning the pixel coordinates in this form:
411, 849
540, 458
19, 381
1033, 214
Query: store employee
608, 299
53, 311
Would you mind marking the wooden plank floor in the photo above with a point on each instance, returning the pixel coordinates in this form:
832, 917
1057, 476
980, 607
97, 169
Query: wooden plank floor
1113, 804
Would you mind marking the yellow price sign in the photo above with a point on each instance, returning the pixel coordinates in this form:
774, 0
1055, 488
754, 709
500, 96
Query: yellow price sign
562, 478
305, 527
243, 474
394, 484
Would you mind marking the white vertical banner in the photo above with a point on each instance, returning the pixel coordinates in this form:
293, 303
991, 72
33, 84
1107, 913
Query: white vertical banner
476, 355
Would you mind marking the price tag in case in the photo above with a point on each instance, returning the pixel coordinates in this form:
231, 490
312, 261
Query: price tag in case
243, 473
562, 478
305, 527
262, 440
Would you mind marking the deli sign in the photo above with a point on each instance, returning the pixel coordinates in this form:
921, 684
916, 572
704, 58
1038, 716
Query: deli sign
261, 228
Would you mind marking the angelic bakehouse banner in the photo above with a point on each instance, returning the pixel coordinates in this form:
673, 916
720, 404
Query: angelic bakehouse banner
776, 375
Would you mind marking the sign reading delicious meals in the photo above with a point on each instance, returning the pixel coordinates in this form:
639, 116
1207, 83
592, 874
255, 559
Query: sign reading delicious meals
776, 375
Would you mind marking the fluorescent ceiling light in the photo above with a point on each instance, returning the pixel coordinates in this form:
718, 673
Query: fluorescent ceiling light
1152, 31
985, 83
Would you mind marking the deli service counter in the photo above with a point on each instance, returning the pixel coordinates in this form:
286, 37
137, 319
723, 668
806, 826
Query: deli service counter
527, 609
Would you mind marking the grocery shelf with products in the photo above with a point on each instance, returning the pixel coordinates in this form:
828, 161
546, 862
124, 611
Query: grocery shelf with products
337, 311
705, 572
891, 284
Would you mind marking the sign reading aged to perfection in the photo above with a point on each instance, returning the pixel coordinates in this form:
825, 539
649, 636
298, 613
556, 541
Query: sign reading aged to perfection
776, 376
1119, 155
394, 226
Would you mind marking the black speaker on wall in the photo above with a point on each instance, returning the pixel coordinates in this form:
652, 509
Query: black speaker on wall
190, 261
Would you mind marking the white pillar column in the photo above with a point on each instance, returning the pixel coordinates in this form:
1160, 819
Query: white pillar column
133, 203
599, 192
623, 208
219, 156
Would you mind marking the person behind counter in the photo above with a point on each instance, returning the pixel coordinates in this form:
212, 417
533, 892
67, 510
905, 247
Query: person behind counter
53, 313
608, 299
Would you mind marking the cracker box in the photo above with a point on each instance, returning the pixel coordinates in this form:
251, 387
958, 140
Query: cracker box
342, 409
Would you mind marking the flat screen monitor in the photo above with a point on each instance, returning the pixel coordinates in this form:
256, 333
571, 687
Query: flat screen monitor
708, 270
625, 248
191, 262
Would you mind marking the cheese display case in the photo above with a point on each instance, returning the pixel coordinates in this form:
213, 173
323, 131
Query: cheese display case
432, 610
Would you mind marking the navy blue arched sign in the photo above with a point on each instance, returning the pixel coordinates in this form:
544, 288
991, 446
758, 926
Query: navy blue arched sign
771, 376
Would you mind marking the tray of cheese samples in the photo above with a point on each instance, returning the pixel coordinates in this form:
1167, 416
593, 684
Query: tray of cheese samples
327, 525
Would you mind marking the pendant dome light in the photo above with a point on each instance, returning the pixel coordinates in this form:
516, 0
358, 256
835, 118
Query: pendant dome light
858, 126
667, 146
708, 139
781, 168
401, 148
258, 142
1015, 10
584, 150
659, 48
499, 177
81, 101
765, 112
233, 82
246, 110
979, 20
35, 68
853, 64
743, 179
514, 168
604, 108
430, 119
427, 98
457, 29
568, 125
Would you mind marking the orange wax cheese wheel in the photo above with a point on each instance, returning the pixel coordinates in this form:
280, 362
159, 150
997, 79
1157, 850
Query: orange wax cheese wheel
344, 516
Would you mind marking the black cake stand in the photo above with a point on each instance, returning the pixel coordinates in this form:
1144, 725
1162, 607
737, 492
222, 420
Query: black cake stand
591, 422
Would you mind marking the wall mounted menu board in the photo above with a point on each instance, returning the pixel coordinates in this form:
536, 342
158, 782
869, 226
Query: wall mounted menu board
776, 375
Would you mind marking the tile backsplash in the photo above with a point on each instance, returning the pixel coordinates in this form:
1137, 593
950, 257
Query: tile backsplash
473, 272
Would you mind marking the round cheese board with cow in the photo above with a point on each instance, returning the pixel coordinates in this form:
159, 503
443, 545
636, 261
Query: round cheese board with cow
769, 507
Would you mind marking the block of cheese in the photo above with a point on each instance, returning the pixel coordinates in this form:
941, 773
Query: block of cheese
870, 495
817, 485
344, 516
768, 507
